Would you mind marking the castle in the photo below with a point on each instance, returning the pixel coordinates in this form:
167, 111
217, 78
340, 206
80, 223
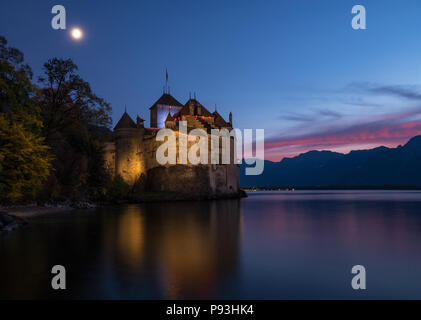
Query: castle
132, 152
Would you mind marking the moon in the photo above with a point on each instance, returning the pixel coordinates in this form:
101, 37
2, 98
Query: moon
76, 33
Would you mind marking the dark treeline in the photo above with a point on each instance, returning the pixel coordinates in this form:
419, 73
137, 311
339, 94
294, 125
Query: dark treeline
52, 131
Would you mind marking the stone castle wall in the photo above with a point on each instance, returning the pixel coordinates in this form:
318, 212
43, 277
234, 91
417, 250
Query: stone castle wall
133, 157
201, 181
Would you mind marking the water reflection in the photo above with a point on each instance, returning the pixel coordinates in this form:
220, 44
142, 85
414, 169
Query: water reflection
131, 236
156, 250
307, 242
270, 245
188, 248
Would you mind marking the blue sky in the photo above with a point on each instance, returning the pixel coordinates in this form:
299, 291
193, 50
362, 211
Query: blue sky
295, 68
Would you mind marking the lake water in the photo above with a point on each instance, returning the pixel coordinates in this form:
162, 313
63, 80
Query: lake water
271, 245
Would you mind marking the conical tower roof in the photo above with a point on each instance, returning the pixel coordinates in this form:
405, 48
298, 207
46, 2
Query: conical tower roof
168, 100
125, 122
169, 117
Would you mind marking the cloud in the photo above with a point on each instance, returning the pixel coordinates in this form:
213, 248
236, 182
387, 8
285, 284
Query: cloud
358, 101
388, 130
319, 113
318, 129
296, 117
407, 92
330, 113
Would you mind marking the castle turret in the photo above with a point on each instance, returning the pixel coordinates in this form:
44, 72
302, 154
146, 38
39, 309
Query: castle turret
125, 122
169, 122
128, 143
140, 123
160, 109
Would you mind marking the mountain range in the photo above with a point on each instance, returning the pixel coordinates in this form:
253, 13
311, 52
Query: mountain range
400, 166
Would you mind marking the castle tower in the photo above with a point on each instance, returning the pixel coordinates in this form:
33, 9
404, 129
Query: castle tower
128, 144
140, 123
169, 122
160, 109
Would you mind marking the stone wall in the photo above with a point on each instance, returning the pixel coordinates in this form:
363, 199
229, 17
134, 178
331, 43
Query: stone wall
199, 181
128, 158
133, 157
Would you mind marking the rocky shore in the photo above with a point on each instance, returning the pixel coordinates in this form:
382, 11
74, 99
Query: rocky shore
14, 217
9, 223
32, 210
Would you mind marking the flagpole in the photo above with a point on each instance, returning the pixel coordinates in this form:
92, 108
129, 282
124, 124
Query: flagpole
166, 79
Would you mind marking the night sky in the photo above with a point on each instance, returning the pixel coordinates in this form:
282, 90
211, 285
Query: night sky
295, 68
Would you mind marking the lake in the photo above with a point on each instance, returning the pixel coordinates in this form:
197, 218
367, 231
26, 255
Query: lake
271, 245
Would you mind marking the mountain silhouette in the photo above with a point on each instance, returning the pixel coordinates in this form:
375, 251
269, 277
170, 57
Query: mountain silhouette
380, 166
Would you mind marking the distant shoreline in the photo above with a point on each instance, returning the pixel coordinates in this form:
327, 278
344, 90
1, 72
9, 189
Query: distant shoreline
391, 188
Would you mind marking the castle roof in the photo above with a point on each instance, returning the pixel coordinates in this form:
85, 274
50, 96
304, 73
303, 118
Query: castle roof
168, 100
125, 122
196, 104
169, 117
219, 120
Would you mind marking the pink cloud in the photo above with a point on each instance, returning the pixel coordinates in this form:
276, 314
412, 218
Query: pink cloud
387, 132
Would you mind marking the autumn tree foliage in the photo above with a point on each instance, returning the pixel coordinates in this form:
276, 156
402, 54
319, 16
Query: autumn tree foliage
25, 161
51, 134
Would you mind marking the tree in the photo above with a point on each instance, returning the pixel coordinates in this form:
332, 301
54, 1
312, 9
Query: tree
24, 159
75, 120
67, 98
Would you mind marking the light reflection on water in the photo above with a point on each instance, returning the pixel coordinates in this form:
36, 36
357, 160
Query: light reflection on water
274, 245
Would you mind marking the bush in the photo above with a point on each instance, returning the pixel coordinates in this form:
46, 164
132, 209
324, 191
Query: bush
117, 190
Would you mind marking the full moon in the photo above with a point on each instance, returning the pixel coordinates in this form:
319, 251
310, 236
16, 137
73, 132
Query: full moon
76, 33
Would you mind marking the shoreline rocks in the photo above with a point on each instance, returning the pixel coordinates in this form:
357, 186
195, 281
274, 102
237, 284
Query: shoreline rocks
9, 223
83, 205
13, 217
